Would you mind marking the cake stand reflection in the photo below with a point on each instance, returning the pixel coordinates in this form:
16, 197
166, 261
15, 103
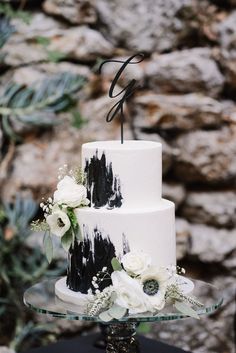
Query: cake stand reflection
120, 336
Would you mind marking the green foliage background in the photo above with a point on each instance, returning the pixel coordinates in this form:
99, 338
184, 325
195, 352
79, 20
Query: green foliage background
21, 265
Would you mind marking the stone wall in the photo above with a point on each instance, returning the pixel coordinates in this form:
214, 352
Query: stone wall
186, 101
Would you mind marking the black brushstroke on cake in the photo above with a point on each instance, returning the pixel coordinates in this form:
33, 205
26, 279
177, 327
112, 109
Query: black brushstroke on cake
125, 244
87, 258
103, 187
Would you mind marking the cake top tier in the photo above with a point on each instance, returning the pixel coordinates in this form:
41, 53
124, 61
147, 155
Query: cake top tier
127, 145
123, 175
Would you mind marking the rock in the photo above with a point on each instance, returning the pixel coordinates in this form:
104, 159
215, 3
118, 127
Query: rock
212, 333
4, 349
28, 75
182, 238
37, 161
81, 43
174, 192
23, 46
229, 65
210, 244
36, 164
40, 25
132, 71
143, 26
168, 154
36, 240
214, 208
226, 31
180, 112
1, 139
190, 70
94, 111
207, 156
74, 11
19, 53
72, 326
46, 38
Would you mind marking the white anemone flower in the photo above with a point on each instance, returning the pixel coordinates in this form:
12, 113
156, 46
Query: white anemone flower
58, 222
154, 283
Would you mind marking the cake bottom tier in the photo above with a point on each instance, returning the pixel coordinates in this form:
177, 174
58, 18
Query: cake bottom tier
109, 233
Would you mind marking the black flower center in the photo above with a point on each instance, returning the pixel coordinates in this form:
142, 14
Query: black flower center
60, 223
151, 287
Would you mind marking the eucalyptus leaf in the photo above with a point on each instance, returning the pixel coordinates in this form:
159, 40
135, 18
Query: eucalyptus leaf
117, 312
116, 265
186, 309
48, 246
66, 240
105, 316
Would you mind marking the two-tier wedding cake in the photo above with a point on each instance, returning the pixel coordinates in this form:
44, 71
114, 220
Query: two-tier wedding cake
126, 212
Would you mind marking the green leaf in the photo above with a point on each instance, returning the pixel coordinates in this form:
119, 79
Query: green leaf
48, 246
105, 316
117, 312
9, 12
186, 309
77, 120
144, 328
72, 217
55, 55
66, 240
116, 264
44, 41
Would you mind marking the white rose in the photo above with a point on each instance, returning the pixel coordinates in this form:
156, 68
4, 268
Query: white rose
154, 283
58, 222
129, 293
135, 262
70, 193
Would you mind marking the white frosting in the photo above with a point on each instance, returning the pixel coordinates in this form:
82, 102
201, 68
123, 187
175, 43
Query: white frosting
67, 295
145, 220
137, 164
151, 229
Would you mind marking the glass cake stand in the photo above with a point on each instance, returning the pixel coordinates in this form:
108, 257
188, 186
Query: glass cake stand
119, 335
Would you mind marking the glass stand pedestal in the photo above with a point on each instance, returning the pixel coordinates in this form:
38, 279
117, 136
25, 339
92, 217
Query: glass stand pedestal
120, 336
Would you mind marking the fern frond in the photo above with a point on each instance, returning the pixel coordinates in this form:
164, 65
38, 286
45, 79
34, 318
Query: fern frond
6, 30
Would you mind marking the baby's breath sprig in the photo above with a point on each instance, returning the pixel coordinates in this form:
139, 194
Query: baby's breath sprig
100, 277
101, 301
62, 172
175, 293
180, 270
173, 270
39, 226
79, 175
47, 206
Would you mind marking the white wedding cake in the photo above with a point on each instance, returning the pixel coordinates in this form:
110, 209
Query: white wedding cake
126, 211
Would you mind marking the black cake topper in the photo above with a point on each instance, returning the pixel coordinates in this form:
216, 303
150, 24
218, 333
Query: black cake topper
127, 90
